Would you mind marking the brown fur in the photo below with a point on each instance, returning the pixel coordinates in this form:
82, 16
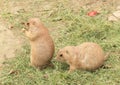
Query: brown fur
42, 45
87, 56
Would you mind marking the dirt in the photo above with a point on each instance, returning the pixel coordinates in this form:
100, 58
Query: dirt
9, 43
97, 5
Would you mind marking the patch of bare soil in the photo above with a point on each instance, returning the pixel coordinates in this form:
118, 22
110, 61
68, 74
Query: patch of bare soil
9, 44
94, 4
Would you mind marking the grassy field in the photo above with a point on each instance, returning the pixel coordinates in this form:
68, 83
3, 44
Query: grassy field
68, 25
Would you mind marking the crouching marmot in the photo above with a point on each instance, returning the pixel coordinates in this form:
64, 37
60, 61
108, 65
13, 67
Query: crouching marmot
87, 56
42, 45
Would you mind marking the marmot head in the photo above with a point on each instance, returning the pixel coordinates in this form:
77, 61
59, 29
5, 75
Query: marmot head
34, 22
65, 54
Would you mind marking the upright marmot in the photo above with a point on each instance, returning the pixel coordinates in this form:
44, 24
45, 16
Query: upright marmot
42, 45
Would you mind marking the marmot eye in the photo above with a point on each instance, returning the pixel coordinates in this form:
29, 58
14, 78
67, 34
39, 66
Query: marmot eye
61, 55
28, 24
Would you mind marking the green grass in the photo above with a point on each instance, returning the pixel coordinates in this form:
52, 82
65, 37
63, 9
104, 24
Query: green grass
67, 28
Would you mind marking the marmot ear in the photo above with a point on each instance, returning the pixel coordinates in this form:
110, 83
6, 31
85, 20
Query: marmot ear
34, 23
67, 52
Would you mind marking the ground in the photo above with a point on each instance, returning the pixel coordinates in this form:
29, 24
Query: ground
68, 24
9, 43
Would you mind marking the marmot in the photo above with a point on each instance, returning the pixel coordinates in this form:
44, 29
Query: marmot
87, 56
42, 45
